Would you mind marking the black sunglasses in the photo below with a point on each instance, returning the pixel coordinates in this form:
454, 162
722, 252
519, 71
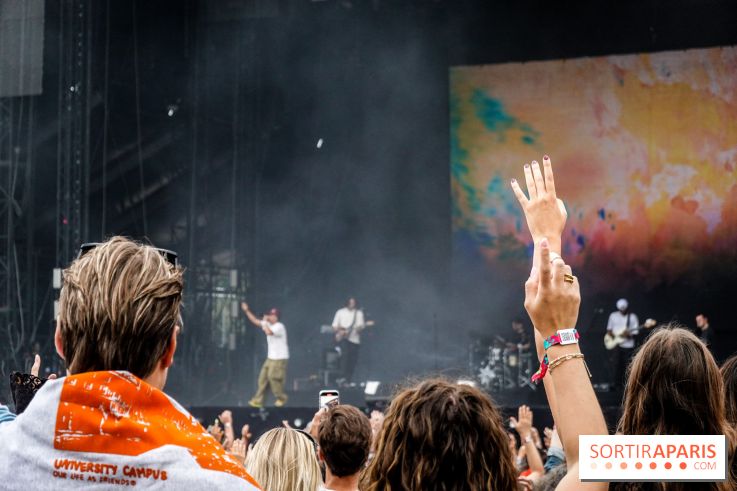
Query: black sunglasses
170, 256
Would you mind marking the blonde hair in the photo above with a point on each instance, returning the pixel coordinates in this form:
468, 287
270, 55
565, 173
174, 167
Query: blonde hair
284, 460
118, 307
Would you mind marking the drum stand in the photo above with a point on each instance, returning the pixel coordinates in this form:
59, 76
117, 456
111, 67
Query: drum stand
524, 371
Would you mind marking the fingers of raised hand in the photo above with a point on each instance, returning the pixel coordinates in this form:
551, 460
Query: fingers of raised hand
532, 190
562, 207
36, 366
549, 179
519, 193
537, 175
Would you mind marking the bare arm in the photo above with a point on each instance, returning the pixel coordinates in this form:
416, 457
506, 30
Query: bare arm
226, 417
254, 320
553, 304
523, 426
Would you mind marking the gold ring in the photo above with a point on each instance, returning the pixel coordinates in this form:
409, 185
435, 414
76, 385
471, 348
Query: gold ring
568, 278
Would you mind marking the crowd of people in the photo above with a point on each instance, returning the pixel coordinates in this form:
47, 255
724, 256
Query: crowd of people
109, 423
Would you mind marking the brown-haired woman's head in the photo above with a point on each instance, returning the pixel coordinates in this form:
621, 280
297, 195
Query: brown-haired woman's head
118, 309
729, 375
673, 388
442, 435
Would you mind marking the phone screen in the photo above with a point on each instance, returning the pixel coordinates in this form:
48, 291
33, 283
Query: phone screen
329, 398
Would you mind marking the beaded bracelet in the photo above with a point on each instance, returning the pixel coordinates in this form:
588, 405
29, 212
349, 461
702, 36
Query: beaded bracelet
571, 356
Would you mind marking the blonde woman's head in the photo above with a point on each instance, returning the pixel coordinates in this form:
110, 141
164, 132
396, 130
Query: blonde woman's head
284, 460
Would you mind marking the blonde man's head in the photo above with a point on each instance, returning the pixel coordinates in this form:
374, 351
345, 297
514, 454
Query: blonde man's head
118, 309
284, 459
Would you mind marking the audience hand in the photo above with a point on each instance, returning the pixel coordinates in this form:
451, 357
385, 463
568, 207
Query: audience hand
238, 450
36, 368
315, 426
216, 431
226, 417
525, 484
246, 433
523, 425
548, 432
551, 302
545, 214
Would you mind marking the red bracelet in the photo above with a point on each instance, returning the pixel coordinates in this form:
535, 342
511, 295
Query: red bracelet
562, 337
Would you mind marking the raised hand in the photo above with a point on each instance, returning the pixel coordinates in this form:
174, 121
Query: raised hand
216, 431
246, 433
552, 294
523, 425
315, 425
36, 368
238, 450
226, 417
244, 306
545, 214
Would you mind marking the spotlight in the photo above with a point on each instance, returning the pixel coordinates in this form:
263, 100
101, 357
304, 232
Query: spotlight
319, 143
171, 110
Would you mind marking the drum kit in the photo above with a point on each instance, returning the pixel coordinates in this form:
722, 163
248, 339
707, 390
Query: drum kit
500, 365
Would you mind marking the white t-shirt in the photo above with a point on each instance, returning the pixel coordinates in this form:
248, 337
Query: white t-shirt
277, 342
618, 324
345, 318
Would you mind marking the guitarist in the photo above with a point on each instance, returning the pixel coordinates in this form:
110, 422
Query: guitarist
347, 325
623, 323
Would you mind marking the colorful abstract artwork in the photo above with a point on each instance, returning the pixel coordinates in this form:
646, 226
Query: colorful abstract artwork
644, 149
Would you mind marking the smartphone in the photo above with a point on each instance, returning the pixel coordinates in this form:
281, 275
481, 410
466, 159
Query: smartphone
328, 399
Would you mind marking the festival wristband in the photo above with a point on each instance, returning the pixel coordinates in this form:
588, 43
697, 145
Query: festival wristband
562, 337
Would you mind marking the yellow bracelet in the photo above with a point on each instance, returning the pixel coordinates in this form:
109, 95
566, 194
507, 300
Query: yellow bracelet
562, 359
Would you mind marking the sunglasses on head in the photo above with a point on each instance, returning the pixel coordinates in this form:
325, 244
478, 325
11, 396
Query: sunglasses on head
170, 256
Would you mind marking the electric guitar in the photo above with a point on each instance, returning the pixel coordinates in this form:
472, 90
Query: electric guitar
611, 341
343, 332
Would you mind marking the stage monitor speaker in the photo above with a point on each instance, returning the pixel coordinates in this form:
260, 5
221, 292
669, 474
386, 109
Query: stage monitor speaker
21, 47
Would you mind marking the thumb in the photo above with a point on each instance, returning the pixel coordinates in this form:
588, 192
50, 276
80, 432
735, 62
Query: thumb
562, 208
532, 282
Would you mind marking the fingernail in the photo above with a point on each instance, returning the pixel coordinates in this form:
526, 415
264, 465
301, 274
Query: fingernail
534, 162
527, 166
544, 243
546, 158
514, 181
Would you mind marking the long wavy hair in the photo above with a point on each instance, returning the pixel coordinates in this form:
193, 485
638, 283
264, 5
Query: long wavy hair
444, 436
284, 460
729, 375
674, 388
